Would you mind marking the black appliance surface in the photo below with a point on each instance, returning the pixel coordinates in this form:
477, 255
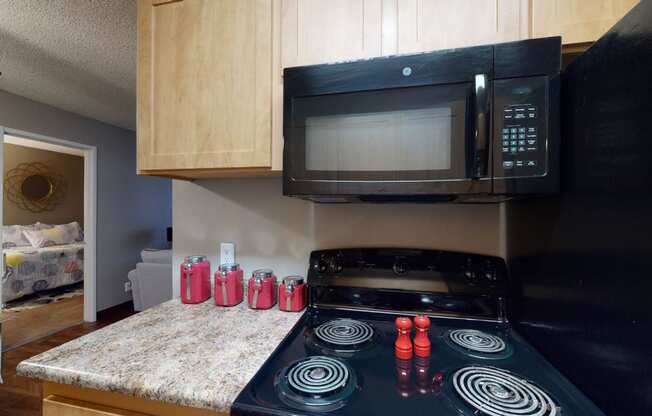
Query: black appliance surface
581, 260
505, 367
474, 124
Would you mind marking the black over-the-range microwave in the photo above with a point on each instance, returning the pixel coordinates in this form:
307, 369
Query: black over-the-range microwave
470, 125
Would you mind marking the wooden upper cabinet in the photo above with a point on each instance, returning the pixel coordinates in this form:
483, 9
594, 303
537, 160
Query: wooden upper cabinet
425, 25
318, 31
204, 84
210, 86
577, 21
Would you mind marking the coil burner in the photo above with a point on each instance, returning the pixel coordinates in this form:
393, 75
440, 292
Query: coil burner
316, 383
478, 344
478, 341
344, 332
497, 392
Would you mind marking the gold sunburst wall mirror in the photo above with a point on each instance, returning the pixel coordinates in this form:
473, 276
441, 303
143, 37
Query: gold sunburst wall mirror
35, 187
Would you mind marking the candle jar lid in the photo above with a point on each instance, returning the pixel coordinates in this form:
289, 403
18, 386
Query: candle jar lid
229, 267
194, 259
262, 274
292, 280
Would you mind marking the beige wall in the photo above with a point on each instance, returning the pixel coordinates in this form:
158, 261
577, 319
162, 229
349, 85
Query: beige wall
271, 230
72, 169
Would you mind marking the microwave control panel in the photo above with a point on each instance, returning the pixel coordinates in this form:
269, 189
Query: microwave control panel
520, 132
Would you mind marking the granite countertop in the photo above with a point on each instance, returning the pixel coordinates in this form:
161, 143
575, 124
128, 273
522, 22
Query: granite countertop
189, 355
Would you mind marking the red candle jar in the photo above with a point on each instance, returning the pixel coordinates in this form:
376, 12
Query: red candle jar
195, 279
292, 294
261, 291
228, 285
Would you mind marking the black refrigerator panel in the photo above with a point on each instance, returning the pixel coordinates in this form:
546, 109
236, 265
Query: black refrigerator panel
581, 262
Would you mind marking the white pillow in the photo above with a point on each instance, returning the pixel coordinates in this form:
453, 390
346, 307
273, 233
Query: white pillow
57, 235
12, 236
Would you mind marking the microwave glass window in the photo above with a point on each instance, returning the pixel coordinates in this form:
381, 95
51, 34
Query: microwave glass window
406, 140
412, 133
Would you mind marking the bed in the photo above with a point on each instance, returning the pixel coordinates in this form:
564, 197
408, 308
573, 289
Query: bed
30, 269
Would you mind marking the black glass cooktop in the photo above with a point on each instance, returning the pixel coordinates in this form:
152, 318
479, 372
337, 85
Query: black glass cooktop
340, 362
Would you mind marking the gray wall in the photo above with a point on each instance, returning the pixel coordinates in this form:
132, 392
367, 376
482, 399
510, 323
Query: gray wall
132, 211
271, 230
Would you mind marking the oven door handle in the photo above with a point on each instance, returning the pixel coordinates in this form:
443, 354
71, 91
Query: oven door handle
481, 133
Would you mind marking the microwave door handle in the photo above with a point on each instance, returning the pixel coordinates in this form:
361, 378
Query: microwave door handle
481, 133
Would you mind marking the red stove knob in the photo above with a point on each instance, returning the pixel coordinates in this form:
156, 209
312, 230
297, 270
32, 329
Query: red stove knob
403, 344
421, 340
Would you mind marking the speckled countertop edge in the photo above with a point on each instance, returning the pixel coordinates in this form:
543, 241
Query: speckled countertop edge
189, 355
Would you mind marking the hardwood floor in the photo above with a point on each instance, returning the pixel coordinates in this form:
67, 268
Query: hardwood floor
19, 328
20, 396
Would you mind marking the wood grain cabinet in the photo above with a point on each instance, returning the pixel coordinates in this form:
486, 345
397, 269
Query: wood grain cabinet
576, 21
314, 31
425, 25
66, 400
210, 86
204, 86
318, 31
61, 406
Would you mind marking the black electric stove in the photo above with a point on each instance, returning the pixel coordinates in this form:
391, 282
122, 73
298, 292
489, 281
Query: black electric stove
339, 358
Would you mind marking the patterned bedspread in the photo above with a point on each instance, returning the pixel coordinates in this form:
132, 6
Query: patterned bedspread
30, 270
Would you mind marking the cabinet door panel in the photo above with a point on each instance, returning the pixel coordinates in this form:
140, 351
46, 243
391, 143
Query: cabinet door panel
425, 25
204, 87
318, 31
60, 406
577, 21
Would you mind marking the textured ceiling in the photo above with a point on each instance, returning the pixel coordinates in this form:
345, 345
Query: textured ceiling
77, 55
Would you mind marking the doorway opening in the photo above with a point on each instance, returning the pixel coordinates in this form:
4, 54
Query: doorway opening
48, 236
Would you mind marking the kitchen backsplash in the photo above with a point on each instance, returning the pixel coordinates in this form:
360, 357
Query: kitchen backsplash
271, 230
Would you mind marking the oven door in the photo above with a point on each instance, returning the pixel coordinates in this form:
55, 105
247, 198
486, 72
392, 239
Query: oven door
415, 140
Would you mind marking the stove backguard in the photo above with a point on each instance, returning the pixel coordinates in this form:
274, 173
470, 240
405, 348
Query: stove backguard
409, 281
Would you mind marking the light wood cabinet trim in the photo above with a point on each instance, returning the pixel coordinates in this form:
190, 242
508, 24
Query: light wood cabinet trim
143, 82
577, 21
317, 31
61, 406
277, 89
191, 174
425, 25
525, 19
159, 2
133, 405
576, 48
389, 27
